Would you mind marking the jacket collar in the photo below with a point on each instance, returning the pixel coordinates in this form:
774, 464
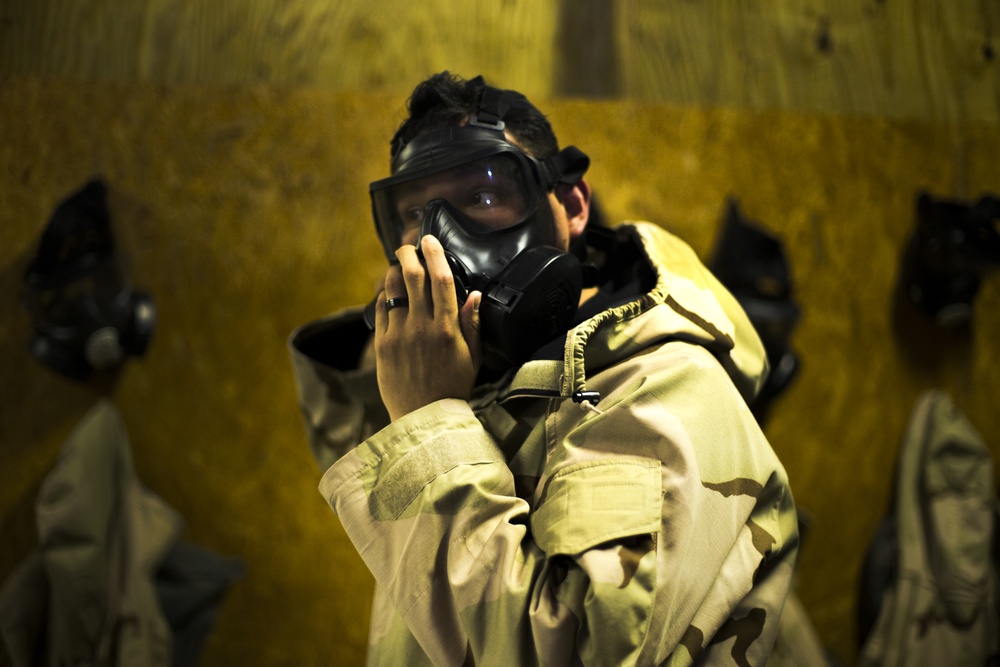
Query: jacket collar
679, 299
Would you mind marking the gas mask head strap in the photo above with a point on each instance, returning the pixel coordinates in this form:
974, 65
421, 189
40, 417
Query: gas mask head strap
490, 113
567, 166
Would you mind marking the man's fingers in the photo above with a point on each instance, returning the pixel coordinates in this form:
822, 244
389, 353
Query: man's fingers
395, 288
414, 277
469, 319
441, 279
381, 320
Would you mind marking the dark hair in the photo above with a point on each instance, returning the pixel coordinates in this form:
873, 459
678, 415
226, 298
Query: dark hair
446, 99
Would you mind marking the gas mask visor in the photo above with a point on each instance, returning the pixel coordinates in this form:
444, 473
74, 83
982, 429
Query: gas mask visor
486, 184
479, 194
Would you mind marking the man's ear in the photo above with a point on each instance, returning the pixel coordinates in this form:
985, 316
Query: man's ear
575, 199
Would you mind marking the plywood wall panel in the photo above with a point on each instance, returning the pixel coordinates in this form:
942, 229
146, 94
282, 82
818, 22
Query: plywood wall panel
340, 45
245, 213
924, 59
210, 188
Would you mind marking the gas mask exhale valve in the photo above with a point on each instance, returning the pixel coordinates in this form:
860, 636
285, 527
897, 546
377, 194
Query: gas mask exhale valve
486, 201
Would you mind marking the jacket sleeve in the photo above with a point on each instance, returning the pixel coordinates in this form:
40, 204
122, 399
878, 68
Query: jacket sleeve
596, 570
337, 390
429, 503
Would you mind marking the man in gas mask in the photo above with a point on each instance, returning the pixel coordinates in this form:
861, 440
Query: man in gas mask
552, 461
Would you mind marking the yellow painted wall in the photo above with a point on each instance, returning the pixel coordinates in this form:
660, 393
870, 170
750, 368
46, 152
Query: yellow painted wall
238, 141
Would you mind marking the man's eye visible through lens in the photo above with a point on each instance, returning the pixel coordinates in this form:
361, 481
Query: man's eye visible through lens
486, 199
413, 215
411, 219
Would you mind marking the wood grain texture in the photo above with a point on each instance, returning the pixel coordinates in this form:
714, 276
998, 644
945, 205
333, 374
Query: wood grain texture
924, 59
335, 45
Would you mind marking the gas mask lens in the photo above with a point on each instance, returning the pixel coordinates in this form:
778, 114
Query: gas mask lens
487, 195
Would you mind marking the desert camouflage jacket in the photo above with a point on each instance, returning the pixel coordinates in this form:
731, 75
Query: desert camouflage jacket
536, 525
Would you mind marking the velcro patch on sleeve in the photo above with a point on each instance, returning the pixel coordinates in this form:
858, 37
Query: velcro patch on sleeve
598, 501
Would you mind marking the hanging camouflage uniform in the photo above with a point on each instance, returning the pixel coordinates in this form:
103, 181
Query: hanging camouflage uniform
940, 607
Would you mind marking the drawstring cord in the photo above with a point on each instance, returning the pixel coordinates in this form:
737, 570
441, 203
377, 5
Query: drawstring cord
588, 400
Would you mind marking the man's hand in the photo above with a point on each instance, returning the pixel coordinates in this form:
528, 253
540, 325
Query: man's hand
430, 349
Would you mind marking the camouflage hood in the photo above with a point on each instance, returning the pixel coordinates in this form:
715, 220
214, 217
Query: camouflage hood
686, 303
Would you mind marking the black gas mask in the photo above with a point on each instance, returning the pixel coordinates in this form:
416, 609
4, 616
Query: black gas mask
954, 244
486, 201
85, 315
753, 266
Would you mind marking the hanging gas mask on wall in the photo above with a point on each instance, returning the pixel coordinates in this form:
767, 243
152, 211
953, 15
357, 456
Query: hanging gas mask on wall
751, 263
486, 201
85, 315
953, 245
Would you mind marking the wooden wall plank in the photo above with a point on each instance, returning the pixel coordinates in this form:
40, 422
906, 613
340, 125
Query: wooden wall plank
925, 59
343, 45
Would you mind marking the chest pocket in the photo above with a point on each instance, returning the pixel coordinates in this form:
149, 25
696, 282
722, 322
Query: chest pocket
588, 503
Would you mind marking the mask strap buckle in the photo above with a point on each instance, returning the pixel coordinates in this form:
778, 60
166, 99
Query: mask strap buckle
489, 114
